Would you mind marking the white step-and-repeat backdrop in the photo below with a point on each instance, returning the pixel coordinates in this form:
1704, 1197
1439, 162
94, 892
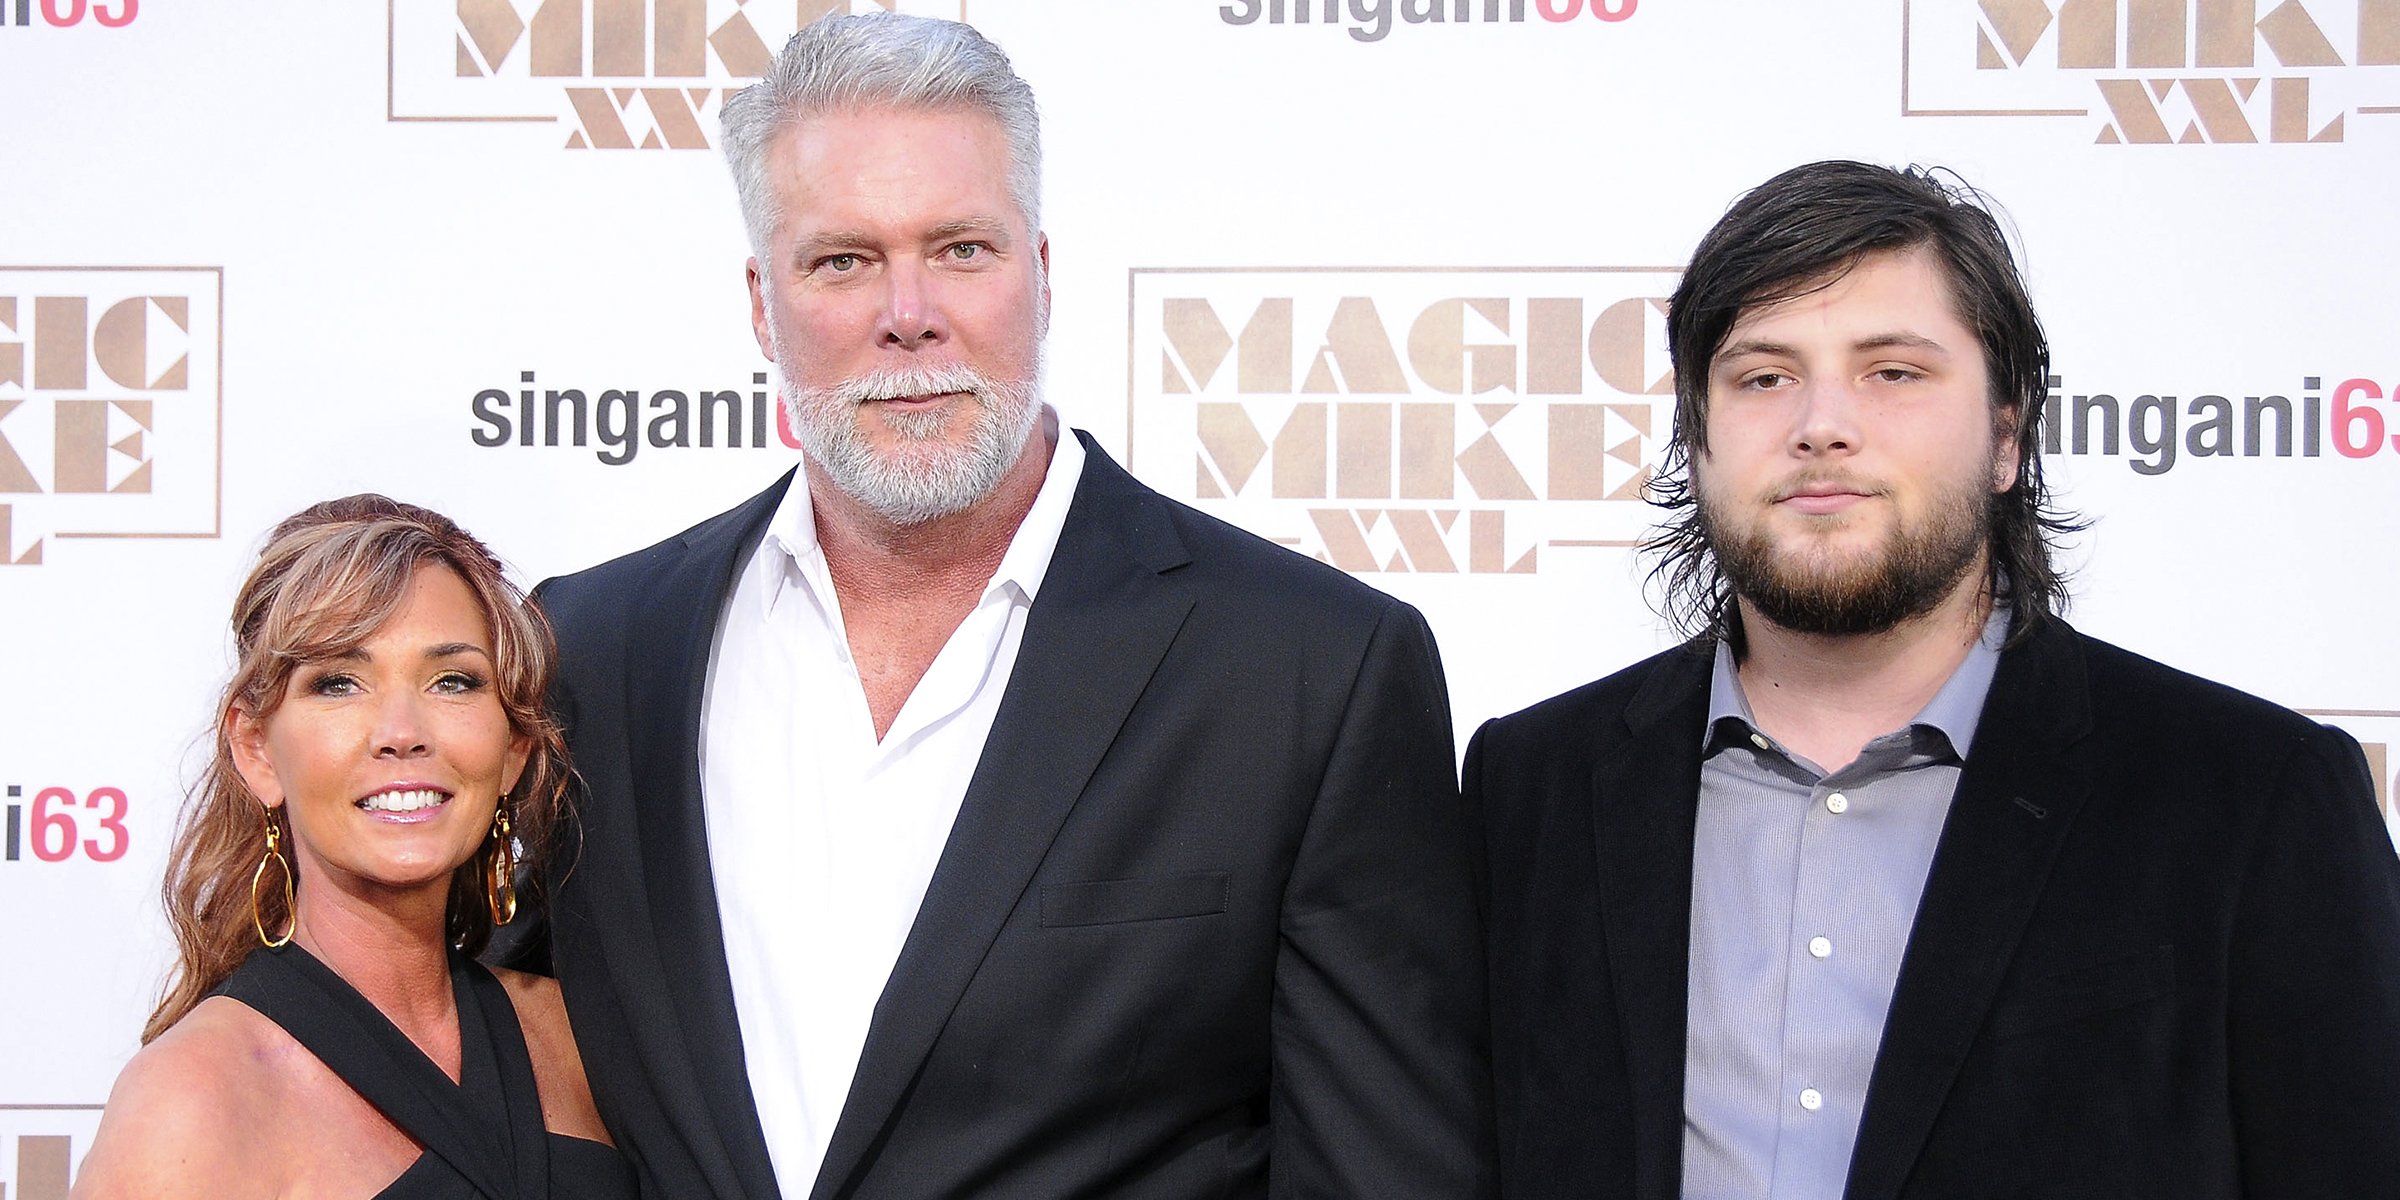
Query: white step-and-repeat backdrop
1379, 279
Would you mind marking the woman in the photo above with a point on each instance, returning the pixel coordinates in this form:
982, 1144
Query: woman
381, 757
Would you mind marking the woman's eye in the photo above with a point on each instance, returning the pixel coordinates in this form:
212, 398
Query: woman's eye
458, 682
333, 683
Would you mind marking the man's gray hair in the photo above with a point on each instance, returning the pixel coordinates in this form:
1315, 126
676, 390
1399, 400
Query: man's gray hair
878, 60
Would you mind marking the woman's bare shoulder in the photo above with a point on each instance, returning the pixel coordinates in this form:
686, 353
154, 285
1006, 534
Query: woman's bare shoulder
193, 1113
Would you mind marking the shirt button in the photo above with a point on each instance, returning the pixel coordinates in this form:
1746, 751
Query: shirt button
1820, 947
1811, 1099
1760, 741
1837, 804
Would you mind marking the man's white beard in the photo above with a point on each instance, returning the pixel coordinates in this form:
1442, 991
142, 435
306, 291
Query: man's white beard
923, 477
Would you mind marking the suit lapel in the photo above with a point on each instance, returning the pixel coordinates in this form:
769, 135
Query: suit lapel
1096, 632
2016, 801
1643, 825
666, 676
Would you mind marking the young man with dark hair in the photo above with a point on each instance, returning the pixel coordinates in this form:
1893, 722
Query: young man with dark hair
1889, 883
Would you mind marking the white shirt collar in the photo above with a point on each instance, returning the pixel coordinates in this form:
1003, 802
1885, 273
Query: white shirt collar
791, 550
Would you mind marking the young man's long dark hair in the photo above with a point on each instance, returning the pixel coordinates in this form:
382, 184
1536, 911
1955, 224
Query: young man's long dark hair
1797, 233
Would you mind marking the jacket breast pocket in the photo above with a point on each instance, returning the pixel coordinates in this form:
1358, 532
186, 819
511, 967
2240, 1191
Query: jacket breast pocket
1115, 901
2085, 992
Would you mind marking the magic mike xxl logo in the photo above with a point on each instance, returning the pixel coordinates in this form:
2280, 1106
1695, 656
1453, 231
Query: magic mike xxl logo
1371, 20
109, 404
618, 74
2158, 71
1413, 420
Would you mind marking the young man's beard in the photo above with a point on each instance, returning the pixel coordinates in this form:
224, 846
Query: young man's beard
1914, 569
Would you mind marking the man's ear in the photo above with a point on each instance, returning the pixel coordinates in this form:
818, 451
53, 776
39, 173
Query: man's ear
2007, 460
761, 327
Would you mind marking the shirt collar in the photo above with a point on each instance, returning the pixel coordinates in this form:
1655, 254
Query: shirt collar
790, 546
1954, 711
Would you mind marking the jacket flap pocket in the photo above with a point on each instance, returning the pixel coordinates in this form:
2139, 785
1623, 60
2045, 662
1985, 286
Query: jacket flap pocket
2086, 991
1109, 901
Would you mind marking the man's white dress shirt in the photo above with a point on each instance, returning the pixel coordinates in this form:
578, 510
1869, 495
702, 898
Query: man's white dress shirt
821, 840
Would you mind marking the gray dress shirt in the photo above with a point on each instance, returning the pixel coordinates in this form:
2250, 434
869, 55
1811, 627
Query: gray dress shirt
1804, 887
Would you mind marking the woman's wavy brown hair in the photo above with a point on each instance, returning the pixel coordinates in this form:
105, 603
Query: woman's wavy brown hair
330, 576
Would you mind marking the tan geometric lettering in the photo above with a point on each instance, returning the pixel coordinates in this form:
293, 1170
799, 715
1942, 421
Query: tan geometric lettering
14, 475
2379, 763
2134, 115
121, 341
2379, 33
1554, 346
1987, 56
1300, 454
1437, 348
12, 354
679, 39
1491, 473
2287, 108
1636, 488
1355, 345
2155, 33
599, 118
60, 324
2230, 31
1362, 455
557, 40
1487, 540
2019, 23
2213, 102
32, 557
42, 1167
79, 453
1199, 338
617, 28
1578, 440
1228, 439
1421, 541
1428, 451
679, 122
739, 47
1345, 543
2087, 34
1618, 350
494, 28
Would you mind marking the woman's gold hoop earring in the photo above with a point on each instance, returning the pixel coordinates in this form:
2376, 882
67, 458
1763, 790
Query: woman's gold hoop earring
291, 915
500, 869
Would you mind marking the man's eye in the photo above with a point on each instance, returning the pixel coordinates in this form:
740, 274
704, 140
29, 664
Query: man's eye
967, 250
838, 263
1895, 374
1766, 379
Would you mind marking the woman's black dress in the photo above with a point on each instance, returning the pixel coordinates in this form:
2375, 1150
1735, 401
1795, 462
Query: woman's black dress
483, 1135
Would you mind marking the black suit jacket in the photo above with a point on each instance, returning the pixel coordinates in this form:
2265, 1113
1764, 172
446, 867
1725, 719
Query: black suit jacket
1204, 920
2158, 953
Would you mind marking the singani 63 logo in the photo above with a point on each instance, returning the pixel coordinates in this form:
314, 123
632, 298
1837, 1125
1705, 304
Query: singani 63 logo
615, 74
109, 404
1406, 420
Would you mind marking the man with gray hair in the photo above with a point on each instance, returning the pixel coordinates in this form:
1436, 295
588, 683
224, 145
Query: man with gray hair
962, 817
